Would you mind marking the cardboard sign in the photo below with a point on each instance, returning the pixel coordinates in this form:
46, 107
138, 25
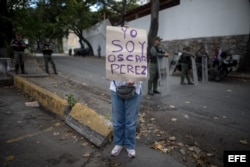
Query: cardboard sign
126, 54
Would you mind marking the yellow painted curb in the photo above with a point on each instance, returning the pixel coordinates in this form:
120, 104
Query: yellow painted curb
88, 117
47, 99
81, 118
91, 125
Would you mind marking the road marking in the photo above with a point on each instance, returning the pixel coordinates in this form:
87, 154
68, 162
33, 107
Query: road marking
28, 135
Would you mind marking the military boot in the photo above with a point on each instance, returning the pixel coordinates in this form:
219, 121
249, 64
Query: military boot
22, 69
16, 68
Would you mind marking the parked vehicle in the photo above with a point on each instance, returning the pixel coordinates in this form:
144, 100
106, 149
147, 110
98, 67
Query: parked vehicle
81, 52
227, 64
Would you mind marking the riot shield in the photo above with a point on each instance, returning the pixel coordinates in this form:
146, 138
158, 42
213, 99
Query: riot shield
163, 68
204, 69
194, 72
173, 63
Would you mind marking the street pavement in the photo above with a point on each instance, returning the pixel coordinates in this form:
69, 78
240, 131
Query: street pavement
31, 136
35, 136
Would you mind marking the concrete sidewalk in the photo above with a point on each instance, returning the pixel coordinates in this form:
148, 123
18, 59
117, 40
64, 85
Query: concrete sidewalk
95, 127
239, 75
91, 122
82, 117
31, 137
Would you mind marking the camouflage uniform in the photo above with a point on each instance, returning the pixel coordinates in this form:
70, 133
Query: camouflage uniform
199, 55
47, 55
185, 61
18, 46
156, 53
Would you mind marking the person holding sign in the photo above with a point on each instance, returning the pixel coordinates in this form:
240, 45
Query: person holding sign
124, 117
156, 52
126, 67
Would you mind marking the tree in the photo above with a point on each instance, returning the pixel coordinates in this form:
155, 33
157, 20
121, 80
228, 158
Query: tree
117, 10
247, 56
76, 17
8, 10
154, 24
30, 23
45, 22
245, 62
5, 22
53, 19
244, 65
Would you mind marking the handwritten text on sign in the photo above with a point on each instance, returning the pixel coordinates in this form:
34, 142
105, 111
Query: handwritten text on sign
126, 54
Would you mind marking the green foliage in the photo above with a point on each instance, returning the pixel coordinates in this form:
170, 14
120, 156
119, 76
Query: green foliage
71, 100
38, 20
108, 117
115, 10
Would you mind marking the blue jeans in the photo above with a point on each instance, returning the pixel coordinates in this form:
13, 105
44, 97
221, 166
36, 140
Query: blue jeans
124, 119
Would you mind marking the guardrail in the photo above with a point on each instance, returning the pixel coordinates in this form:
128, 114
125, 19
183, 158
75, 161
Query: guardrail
4, 65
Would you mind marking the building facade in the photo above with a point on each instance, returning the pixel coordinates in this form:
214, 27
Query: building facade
213, 23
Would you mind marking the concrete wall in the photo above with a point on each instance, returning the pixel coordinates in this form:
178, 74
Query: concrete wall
222, 23
235, 44
97, 36
209, 23
72, 41
201, 18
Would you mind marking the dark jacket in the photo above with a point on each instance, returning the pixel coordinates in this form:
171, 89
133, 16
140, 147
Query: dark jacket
47, 49
19, 45
185, 58
199, 56
156, 52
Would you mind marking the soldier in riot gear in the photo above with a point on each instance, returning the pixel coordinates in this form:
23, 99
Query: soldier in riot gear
18, 46
185, 62
156, 52
47, 55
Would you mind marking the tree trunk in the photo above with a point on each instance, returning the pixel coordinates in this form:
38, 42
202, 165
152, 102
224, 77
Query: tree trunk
154, 24
90, 48
244, 65
247, 55
123, 12
91, 51
81, 42
6, 25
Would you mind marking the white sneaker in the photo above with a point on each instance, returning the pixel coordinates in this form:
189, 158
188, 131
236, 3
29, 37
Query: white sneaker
131, 153
116, 150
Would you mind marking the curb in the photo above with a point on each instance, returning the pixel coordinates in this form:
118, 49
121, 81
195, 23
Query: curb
49, 100
96, 128
81, 118
240, 76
